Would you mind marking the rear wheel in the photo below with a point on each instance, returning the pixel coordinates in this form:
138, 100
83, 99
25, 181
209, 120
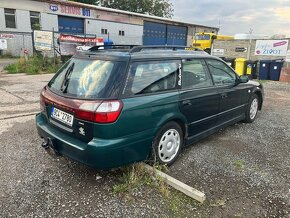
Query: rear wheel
167, 143
252, 109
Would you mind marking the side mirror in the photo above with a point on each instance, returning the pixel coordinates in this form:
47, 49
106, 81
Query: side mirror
214, 37
244, 79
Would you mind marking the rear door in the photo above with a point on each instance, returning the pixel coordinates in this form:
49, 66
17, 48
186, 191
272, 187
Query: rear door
199, 99
225, 78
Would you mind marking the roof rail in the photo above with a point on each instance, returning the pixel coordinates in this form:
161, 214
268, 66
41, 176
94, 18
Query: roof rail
102, 47
164, 47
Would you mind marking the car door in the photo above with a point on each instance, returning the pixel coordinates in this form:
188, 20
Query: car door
199, 99
225, 79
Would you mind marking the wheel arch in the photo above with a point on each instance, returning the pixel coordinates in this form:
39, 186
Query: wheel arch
180, 120
260, 96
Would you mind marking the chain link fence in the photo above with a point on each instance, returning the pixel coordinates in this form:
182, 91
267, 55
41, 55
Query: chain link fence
18, 42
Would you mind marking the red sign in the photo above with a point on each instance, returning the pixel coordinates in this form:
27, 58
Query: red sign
6, 36
280, 43
71, 38
70, 10
25, 51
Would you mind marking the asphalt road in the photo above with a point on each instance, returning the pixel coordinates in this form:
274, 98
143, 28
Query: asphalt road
244, 170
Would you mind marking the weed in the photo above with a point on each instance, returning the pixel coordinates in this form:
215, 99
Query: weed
239, 164
35, 65
135, 176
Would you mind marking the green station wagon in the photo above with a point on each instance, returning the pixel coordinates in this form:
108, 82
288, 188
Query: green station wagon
112, 107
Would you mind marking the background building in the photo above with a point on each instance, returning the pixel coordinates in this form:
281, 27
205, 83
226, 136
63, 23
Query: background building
19, 17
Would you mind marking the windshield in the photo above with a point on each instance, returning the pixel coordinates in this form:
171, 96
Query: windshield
85, 78
202, 37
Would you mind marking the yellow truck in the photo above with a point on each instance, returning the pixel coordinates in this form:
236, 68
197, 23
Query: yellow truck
204, 40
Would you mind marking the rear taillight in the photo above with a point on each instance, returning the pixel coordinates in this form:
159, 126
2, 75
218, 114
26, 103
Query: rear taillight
100, 112
42, 101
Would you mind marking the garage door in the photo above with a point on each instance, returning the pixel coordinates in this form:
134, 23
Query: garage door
70, 25
176, 35
154, 34
163, 34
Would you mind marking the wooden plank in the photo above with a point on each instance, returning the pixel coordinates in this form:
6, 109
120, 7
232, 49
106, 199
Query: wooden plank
180, 186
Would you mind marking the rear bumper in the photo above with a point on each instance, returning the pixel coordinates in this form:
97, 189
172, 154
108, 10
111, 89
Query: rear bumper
98, 153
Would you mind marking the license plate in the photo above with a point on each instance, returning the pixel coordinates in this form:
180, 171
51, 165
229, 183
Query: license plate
62, 116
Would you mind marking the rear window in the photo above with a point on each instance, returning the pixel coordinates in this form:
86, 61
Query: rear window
90, 79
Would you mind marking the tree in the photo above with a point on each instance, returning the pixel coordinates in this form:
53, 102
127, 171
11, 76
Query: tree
91, 2
160, 8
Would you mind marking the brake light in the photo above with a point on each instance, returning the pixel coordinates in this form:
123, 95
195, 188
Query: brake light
100, 112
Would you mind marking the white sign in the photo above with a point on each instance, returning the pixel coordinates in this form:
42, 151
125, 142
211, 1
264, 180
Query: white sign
42, 40
3, 44
70, 10
271, 47
288, 56
218, 52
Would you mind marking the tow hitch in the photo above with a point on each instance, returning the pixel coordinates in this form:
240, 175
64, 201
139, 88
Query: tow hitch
49, 145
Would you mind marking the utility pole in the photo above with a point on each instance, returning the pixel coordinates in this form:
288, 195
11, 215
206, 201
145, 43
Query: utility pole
250, 43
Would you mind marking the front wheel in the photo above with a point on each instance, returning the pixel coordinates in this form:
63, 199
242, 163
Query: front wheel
167, 143
252, 109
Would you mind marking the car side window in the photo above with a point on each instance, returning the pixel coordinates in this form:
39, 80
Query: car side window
151, 77
195, 74
222, 74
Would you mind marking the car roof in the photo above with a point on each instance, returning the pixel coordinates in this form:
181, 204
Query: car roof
125, 54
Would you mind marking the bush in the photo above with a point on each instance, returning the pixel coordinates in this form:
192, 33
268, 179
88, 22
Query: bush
35, 65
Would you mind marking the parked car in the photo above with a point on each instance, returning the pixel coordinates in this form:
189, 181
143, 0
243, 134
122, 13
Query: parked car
114, 107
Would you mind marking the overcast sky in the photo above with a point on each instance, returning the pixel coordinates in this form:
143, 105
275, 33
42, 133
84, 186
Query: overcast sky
266, 17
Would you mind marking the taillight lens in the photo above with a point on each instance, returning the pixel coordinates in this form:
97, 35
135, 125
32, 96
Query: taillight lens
42, 101
100, 112
108, 111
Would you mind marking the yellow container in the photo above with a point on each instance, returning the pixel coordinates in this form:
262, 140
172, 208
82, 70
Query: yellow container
241, 66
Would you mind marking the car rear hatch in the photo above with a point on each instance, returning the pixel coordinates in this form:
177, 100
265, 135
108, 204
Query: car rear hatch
83, 92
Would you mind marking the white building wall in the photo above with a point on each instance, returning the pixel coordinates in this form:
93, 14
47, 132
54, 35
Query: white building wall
133, 33
49, 22
2, 19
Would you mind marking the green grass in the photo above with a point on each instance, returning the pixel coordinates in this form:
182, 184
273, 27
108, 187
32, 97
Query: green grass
34, 65
239, 164
264, 81
5, 56
135, 177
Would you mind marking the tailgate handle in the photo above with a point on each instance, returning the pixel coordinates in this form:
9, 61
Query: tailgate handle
186, 103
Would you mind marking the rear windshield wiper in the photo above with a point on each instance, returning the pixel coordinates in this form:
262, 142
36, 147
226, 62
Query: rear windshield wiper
67, 78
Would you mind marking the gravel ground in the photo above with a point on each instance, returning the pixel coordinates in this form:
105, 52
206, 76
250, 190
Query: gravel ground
244, 170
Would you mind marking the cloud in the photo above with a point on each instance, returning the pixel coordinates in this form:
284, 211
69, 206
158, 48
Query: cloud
267, 17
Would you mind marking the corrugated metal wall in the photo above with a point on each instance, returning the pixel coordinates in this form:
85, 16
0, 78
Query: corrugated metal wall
164, 34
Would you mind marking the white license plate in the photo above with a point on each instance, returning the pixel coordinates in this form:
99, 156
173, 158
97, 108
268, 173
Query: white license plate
62, 116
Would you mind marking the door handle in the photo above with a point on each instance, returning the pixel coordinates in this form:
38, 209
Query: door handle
224, 95
186, 103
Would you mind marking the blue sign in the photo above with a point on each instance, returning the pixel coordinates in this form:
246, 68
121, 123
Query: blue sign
53, 8
86, 12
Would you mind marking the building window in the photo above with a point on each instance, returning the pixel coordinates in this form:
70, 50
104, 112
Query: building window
35, 20
121, 33
10, 19
104, 31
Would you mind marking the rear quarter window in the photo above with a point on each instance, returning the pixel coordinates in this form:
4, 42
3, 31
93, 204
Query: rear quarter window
152, 77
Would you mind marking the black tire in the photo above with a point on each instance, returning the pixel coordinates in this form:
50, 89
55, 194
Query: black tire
172, 128
249, 117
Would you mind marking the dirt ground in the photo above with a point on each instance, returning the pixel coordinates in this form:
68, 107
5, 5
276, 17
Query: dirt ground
244, 170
